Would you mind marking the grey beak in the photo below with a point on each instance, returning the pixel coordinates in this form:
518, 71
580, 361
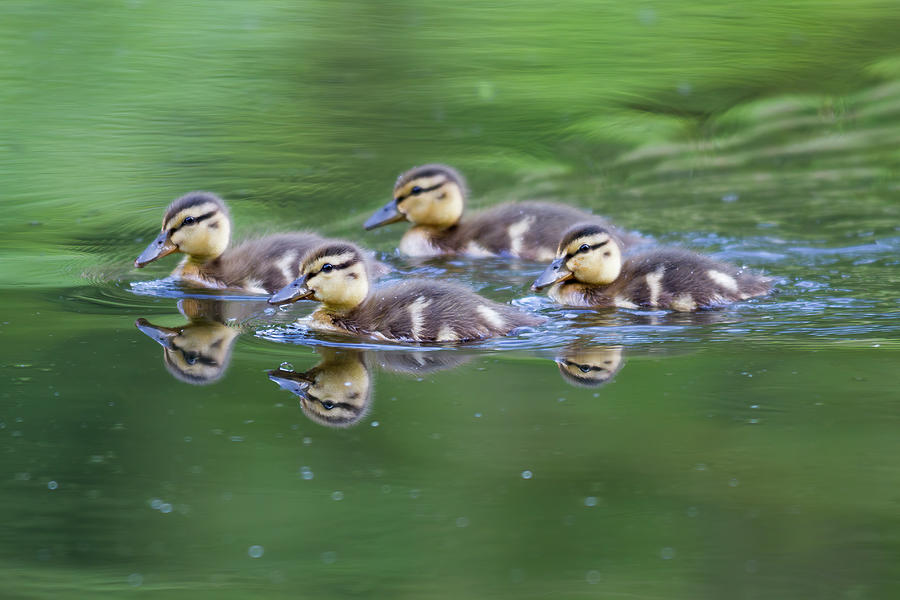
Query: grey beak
384, 215
158, 248
296, 290
161, 335
554, 273
295, 383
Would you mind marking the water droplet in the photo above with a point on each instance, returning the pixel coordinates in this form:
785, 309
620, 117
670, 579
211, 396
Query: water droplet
306, 473
256, 551
462, 522
477, 415
667, 553
165, 508
135, 580
375, 423
700, 467
590, 501
593, 577
52, 485
307, 441
329, 557
237, 438
527, 474
286, 366
414, 494
337, 496
155, 503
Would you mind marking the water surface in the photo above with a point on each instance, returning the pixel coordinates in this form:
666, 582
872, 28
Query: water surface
748, 451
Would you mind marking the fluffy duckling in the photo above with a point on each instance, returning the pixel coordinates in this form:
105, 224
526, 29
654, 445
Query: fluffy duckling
414, 311
431, 197
199, 351
589, 271
590, 367
198, 225
336, 392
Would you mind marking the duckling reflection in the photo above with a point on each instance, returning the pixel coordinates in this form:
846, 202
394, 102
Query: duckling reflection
338, 392
590, 367
199, 351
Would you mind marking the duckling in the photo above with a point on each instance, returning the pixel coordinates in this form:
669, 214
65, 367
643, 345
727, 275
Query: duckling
198, 224
431, 197
199, 351
590, 367
336, 392
589, 271
415, 311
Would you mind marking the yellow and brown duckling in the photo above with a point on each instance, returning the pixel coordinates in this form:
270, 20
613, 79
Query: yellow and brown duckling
432, 198
198, 225
589, 271
590, 367
414, 311
336, 392
199, 351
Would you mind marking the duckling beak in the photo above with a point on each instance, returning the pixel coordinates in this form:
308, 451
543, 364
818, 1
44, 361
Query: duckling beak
295, 383
296, 290
161, 335
384, 215
158, 248
554, 273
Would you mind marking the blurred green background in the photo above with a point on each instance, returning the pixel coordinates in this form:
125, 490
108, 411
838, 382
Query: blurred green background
749, 452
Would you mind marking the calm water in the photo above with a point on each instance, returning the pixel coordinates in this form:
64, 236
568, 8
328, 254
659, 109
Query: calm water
747, 452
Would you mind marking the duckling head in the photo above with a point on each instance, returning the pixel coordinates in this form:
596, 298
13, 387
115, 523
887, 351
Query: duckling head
196, 224
333, 274
587, 253
590, 367
197, 353
335, 393
430, 195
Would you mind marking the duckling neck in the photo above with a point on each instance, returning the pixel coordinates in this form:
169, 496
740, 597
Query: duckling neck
199, 272
426, 240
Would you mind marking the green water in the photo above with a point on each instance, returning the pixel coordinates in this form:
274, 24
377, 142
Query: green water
747, 452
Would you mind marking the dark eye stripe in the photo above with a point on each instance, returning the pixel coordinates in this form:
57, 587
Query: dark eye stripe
202, 217
345, 405
581, 367
335, 267
594, 247
422, 191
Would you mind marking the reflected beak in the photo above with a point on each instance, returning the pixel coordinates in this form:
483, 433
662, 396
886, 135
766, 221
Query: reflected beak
161, 335
384, 215
158, 248
296, 290
296, 383
554, 273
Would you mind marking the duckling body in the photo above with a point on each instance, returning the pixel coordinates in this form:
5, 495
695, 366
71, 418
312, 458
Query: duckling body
432, 198
412, 311
589, 272
198, 225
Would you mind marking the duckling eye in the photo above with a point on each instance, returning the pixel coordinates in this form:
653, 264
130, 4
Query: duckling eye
327, 268
188, 221
584, 248
416, 190
328, 405
584, 368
